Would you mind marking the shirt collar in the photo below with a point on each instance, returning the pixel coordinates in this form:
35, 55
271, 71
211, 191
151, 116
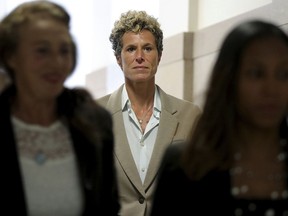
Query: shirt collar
126, 101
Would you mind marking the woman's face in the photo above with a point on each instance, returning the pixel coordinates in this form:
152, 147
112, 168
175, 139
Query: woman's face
139, 57
43, 59
263, 83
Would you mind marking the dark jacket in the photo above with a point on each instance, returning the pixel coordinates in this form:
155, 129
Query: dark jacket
91, 130
177, 195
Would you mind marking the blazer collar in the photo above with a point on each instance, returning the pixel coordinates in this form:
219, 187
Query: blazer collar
166, 131
114, 103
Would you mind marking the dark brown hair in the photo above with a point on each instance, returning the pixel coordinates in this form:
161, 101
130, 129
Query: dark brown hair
210, 143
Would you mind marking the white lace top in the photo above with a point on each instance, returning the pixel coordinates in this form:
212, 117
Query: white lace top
49, 169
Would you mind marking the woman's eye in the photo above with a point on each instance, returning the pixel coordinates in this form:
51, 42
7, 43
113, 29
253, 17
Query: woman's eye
148, 48
254, 73
282, 74
65, 51
42, 50
130, 49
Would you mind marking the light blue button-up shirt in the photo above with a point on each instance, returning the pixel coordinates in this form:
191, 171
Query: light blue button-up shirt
141, 144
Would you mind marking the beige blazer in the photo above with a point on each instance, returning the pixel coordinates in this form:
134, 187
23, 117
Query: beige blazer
177, 117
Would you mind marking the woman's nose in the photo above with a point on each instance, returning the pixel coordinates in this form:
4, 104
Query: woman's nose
139, 55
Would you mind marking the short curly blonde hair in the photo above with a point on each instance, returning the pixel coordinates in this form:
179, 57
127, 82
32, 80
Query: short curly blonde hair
135, 21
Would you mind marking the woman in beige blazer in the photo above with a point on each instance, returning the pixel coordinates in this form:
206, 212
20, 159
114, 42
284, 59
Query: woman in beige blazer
146, 119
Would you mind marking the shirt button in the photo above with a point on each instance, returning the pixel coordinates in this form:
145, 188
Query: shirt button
142, 143
141, 200
143, 169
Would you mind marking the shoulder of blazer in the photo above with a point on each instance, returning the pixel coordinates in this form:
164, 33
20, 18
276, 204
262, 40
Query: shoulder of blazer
103, 100
173, 104
112, 101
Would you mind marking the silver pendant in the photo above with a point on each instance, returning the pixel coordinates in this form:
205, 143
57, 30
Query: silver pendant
40, 158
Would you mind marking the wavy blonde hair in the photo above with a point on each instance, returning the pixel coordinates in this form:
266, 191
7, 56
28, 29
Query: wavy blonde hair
135, 21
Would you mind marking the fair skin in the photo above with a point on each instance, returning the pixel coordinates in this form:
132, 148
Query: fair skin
262, 105
41, 64
139, 60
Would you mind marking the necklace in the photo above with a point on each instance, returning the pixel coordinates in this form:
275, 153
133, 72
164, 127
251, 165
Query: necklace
141, 120
248, 177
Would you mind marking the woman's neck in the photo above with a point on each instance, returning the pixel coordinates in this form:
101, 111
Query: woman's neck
141, 96
253, 137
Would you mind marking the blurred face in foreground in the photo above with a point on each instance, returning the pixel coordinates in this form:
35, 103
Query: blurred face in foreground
263, 83
43, 59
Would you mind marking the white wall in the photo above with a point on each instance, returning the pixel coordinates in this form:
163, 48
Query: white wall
88, 29
92, 21
174, 15
213, 11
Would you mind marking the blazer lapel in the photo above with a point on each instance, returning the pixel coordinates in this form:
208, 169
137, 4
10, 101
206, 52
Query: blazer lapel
122, 149
167, 129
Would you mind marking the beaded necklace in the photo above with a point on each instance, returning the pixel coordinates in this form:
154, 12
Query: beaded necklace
275, 178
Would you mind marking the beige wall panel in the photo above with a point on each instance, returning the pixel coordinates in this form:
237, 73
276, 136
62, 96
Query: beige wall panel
176, 67
202, 71
188, 57
96, 82
170, 78
207, 41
